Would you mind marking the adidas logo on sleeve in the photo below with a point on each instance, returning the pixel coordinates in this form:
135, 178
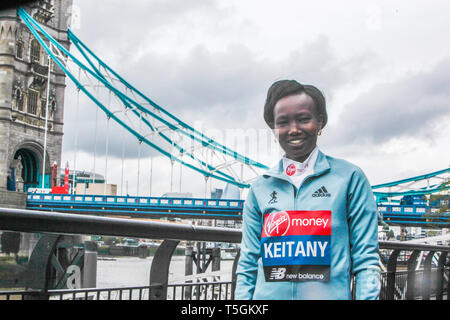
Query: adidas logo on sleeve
322, 192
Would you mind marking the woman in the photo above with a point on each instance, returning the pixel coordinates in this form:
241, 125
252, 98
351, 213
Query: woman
310, 222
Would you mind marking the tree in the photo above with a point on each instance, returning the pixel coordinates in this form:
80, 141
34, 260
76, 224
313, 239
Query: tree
390, 235
439, 202
10, 242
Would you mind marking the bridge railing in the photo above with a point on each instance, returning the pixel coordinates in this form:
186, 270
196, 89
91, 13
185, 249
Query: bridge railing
405, 209
401, 280
135, 201
414, 215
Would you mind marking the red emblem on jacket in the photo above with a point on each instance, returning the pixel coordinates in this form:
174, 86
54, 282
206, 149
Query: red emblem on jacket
291, 169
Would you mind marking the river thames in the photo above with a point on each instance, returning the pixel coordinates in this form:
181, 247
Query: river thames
113, 272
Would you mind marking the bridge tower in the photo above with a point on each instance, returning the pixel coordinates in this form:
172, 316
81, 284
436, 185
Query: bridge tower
23, 93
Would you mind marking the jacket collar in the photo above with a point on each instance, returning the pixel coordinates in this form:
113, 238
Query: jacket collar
321, 166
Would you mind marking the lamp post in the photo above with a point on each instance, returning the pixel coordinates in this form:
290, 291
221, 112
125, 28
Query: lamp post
46, 122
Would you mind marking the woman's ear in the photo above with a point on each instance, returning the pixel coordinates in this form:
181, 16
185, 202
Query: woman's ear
320, 123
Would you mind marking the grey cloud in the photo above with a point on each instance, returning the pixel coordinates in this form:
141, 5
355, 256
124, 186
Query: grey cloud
236, 79
411, 106
203, 79
222, 88
218, 88
122, 24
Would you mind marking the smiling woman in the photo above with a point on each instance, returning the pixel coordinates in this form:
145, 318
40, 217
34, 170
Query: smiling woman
308, 186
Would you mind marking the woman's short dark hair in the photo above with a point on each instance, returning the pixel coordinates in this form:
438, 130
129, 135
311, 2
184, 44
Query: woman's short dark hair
284, 88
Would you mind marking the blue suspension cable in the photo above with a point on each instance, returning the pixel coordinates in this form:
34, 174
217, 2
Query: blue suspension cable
108, 113
173, 127
209, 141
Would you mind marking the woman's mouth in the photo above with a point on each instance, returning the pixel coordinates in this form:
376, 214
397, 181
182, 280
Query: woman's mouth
295, 142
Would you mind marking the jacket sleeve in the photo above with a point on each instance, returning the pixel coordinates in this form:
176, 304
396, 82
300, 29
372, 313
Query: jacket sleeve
363, 229
247, 268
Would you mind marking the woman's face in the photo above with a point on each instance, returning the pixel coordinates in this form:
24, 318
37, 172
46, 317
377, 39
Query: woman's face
296, 125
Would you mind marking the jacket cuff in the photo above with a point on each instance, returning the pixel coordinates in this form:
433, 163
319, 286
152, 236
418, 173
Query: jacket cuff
368, 284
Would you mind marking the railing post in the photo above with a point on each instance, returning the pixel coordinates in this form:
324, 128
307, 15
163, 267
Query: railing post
159, 273
215, 259
198, 259
391, 271
188, 271
90, 265
440, 275
448, 288
233, 274
411, 276
426, 282
39, 267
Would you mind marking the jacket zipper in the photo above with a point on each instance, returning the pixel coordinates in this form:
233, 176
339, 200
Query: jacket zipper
296, 193
294, 284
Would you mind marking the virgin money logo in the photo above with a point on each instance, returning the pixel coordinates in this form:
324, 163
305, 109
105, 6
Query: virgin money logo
277, 224
291, 169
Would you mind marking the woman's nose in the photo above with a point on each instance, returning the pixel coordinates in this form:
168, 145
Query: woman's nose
294, 128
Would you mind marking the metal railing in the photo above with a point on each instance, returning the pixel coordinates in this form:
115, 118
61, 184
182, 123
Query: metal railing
182, 291
57, 224
73, 224
430, 282
406, 281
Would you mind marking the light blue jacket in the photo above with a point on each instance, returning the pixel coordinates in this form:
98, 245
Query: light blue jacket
354, 234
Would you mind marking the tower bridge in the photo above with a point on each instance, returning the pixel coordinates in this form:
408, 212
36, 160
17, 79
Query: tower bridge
34, 47
35, 62
39, 64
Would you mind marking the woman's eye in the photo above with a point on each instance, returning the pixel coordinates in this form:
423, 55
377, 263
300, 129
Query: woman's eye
281, 123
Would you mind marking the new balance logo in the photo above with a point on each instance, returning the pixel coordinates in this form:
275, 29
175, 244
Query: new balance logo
277, 273
322, 192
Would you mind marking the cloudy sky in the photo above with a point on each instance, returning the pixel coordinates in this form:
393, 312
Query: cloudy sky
383, 66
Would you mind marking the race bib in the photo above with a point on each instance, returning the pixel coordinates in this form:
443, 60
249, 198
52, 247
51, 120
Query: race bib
296, 245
